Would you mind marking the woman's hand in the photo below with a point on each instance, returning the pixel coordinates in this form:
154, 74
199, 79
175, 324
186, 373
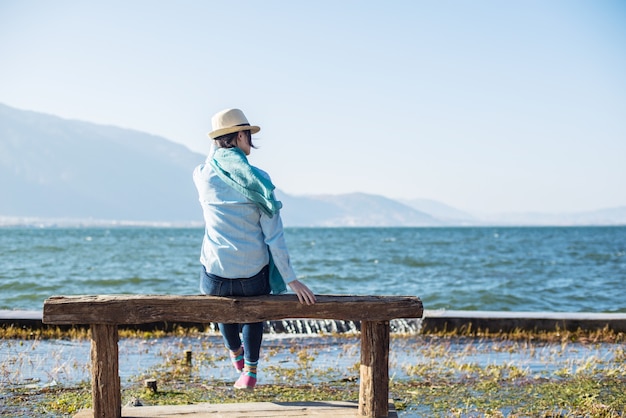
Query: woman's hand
304, 293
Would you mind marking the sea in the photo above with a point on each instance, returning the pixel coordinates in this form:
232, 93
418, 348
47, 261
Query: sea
524, 269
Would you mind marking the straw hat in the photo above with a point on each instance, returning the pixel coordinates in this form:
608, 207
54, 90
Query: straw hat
228, 121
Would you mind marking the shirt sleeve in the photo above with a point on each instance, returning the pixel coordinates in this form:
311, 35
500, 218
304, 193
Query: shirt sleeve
275, 239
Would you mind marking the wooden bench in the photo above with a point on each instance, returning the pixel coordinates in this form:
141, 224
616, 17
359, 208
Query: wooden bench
105, 313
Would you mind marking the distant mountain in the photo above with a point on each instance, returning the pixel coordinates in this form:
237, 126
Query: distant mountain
611, 216
73, 171
59, 171
441, 211
354, 209
452, 216
56, 168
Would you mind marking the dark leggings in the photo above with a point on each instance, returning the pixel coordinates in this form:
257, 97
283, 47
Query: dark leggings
252, 333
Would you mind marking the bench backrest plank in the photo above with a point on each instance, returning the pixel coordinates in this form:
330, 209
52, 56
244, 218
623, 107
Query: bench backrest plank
142, 309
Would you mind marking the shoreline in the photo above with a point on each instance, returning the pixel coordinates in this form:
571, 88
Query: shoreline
433, 321
432, 373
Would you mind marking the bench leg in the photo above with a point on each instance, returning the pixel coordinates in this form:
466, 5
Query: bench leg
105, 377
374, 385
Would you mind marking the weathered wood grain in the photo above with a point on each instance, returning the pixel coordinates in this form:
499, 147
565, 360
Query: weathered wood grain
374, 383
327, 409
105, 378
105, 312
142, 309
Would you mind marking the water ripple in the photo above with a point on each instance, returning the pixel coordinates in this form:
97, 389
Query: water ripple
510, 269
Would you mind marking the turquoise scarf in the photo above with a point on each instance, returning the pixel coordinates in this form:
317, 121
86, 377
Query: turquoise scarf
232, 166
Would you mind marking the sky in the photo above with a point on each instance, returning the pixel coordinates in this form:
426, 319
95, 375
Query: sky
486, 106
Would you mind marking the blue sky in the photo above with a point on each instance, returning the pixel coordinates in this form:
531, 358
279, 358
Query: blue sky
488, 106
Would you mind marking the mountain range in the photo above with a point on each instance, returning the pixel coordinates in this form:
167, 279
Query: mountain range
54, 170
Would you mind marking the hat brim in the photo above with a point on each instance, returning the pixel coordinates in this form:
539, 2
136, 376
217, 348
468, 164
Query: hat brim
232, 129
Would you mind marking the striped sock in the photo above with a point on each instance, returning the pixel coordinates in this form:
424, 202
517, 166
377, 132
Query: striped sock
250, 368
237, 355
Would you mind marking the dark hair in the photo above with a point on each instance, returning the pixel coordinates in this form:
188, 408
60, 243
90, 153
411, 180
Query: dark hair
230, 140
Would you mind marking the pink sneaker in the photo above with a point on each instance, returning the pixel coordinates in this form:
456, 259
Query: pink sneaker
237, 359
245, 382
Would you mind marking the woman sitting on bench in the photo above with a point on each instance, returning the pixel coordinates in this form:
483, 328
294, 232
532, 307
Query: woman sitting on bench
244, 252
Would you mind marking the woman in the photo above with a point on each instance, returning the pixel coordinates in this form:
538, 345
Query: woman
244, 252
